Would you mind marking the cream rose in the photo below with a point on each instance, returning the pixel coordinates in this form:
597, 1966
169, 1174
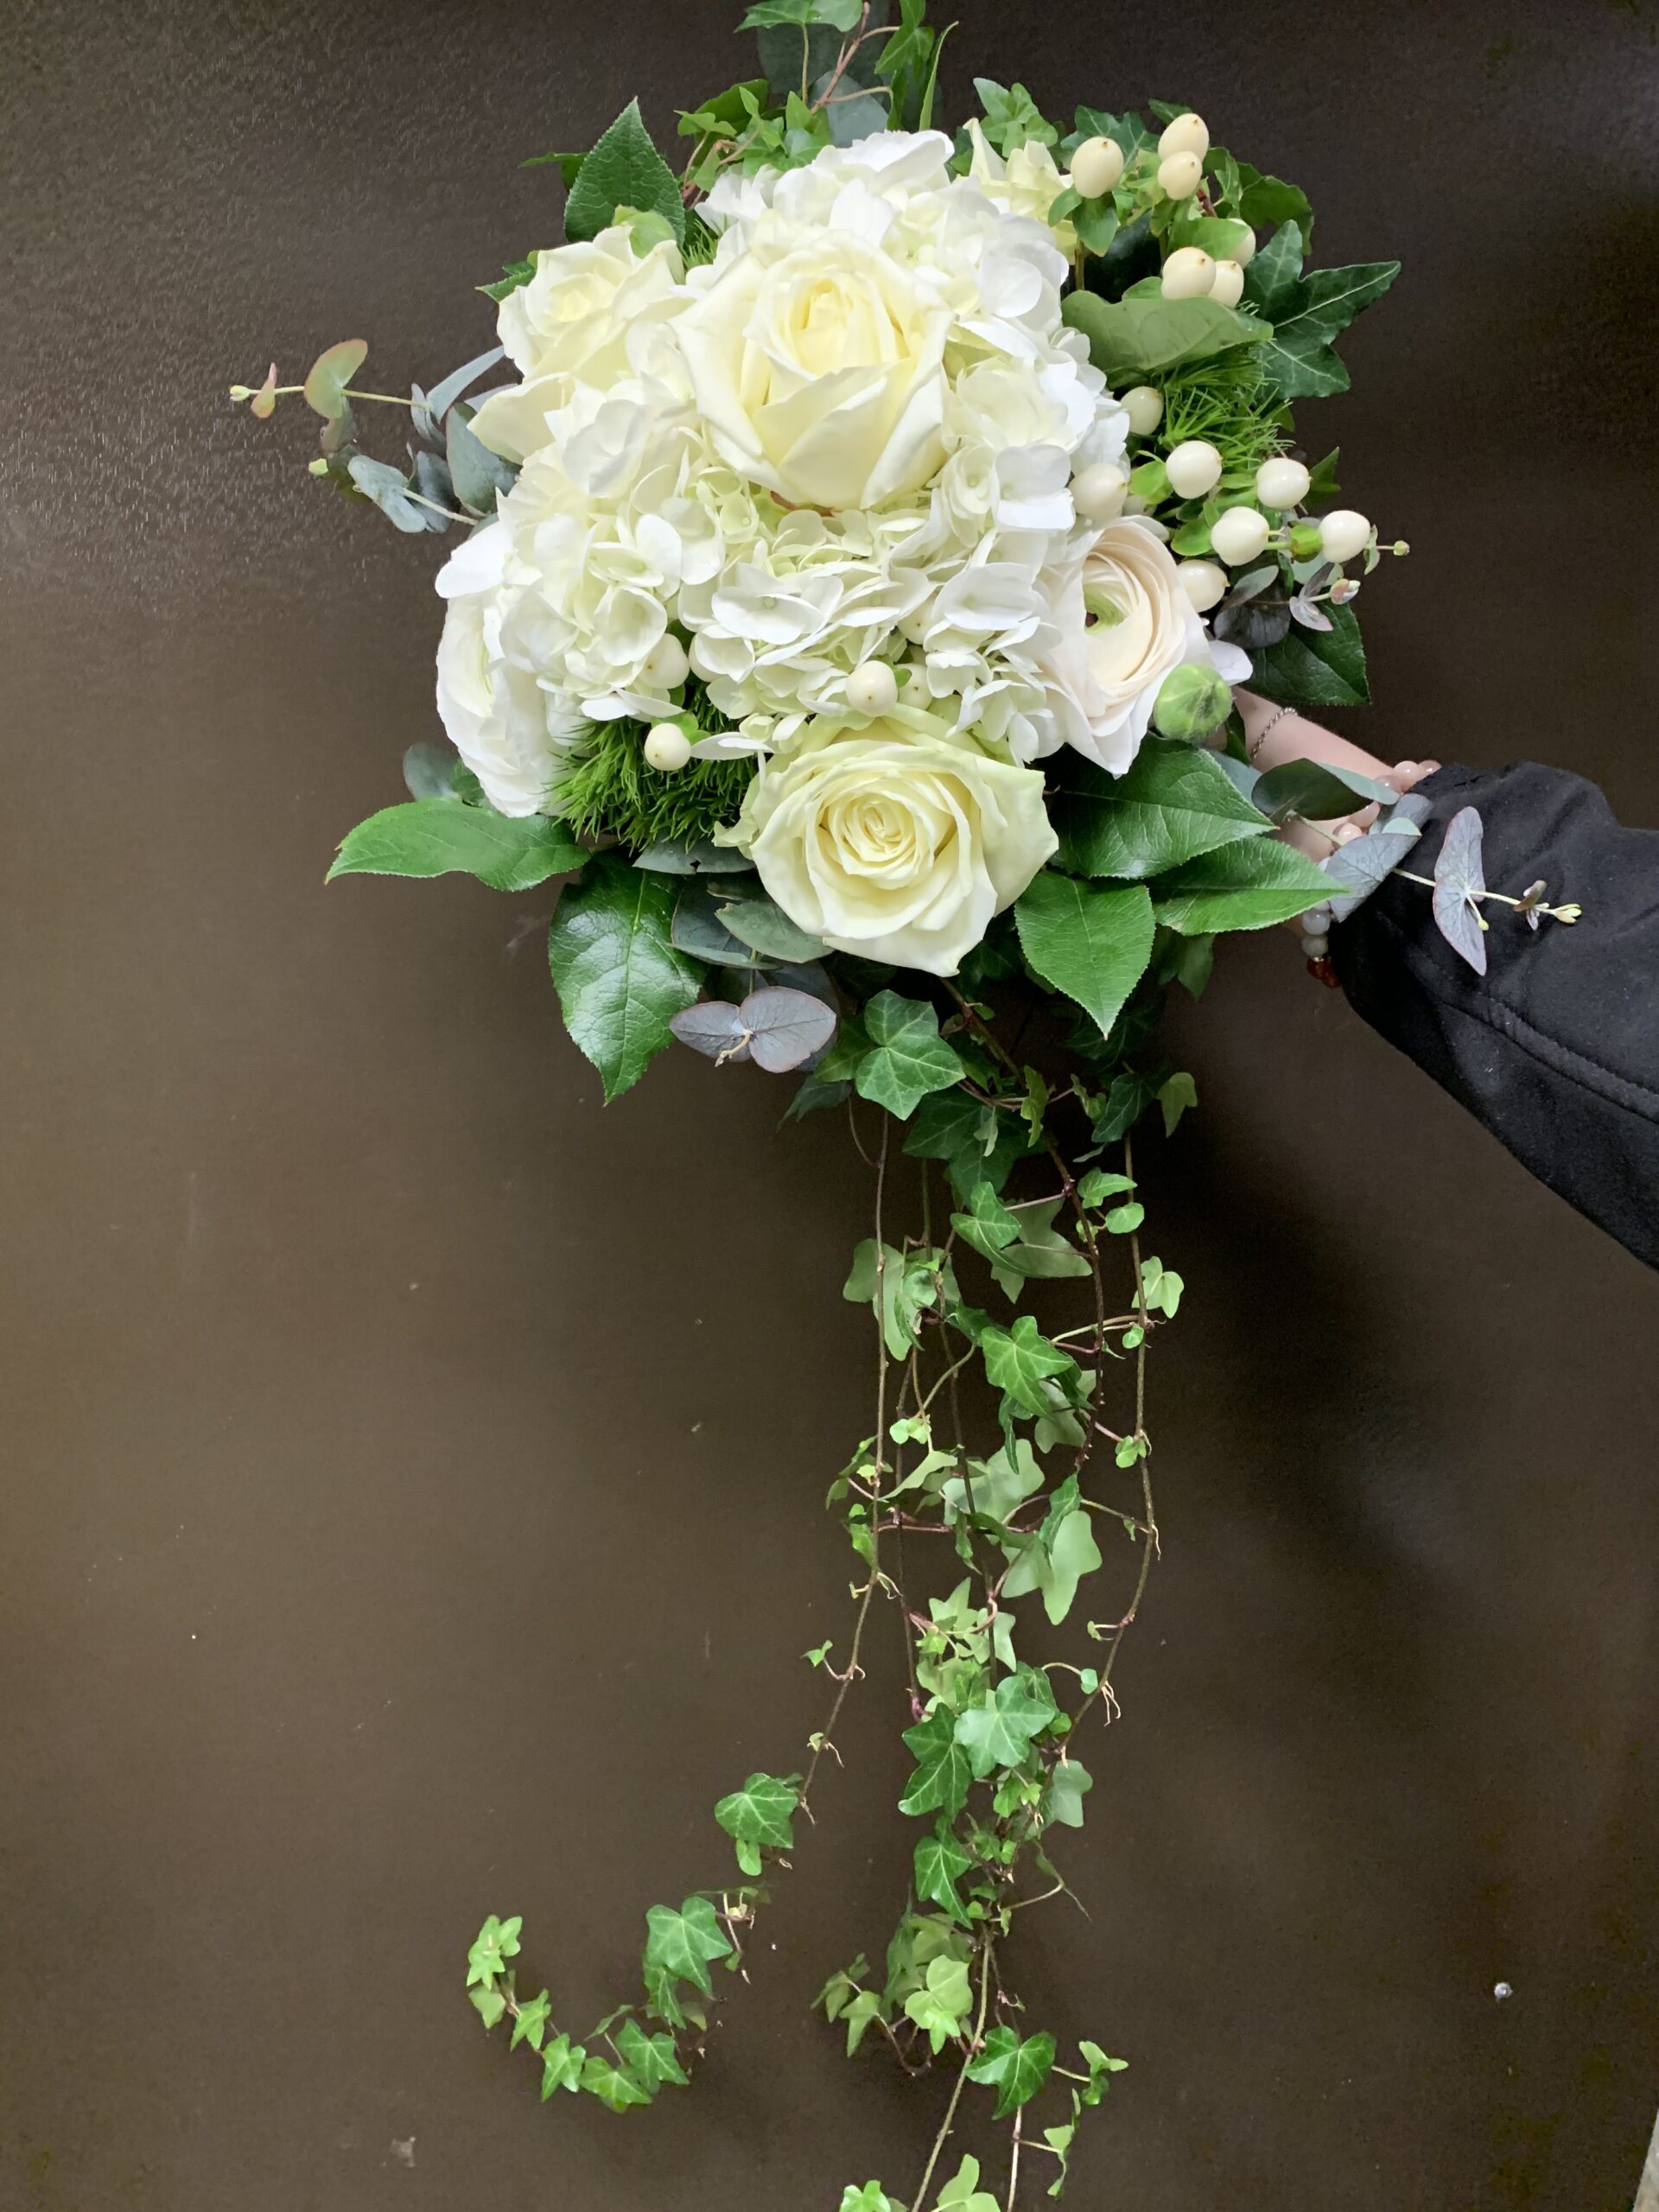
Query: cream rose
820, 371
897, 838
1122, 621
582, 319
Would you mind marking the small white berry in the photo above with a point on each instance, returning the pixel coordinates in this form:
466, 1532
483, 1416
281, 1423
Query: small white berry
1205, 584
1281, 483
916, 625
1144, 405
1180, 175
873, 689
1095, 167
667, 748
666, 666
1188, 273
1098, 493
1244, 251
1240, 535
1228, 285
1188, 133
1193, 468
1343, 533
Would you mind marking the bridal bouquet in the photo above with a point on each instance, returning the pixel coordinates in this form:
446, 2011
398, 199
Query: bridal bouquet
858, 543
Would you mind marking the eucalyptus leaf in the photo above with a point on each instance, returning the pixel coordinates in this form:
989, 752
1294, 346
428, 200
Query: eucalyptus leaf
768, 930
693, 856
1460, 880
476, 473
1363, 864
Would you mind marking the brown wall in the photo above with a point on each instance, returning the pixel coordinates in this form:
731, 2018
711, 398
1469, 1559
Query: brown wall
413, 1481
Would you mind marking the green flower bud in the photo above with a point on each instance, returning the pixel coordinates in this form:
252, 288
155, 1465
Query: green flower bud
1191, 702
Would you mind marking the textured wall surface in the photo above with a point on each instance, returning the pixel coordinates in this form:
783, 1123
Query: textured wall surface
413, 1473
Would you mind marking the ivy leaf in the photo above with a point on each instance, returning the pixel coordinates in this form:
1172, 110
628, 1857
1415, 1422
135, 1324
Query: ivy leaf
898, 1291
1018, 1359
942, 2002
1101, 2070
683, 1942
1145, 337
620, 980
1244, 886
999, 1486
496, 1942
607, 2081
1310, 313
1177, 1095
963, 2193
652, 2060
988, 1225
871, 2198
1013, 118
1055, 1563
562, 2065
1015, 2066
1039, 1251
977, 1143
624, 170
942, 1772
1068, 1785
1315, 667
1128, 132
864, 2008
757, 1817
531, 2024
1272, 275
997, 1731
1089, 941
940, 1864
908, 1057
491, 2004
1171, 805
438, 836
1264, 200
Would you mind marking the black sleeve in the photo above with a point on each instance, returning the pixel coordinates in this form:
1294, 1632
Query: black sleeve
1556, 1047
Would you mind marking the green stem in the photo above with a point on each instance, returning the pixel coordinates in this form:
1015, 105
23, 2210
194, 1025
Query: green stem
940, 2139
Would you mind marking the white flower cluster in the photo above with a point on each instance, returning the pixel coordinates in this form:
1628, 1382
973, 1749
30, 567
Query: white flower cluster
852, 437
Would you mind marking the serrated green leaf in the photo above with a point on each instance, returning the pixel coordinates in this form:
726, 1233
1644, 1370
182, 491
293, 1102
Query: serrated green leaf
620, 980
1244, 886
907, 1058
1172, 804
1091, 941
624, 170
1309, 311
439, 836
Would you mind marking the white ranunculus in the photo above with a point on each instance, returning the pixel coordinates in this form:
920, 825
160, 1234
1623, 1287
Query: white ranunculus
896, 838
511, 731
1123, 622
819, 371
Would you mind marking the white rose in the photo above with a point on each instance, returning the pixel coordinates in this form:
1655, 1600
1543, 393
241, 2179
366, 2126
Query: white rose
1123, 622
509, 730
820, 373
585, 317
896, 838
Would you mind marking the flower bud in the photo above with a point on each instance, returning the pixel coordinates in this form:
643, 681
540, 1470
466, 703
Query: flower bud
1343, 533
1193, 468
667, 748
1228, 285
1179, 176
1188, 273
1188, 133
1240, 535
1205, 584
1144, 405
1098, 493
1191, 702
873, 689
1281, 483
1095, 167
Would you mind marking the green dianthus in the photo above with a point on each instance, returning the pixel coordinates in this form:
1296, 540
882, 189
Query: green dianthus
606, 791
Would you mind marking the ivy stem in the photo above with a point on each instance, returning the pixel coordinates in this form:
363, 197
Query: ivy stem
946, 2124
1013, 2157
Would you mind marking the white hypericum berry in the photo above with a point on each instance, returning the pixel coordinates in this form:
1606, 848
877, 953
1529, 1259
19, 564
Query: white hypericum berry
1343, 533
1227, 286
1205, 584
1144, 405
1281, 483
1240, 535
666, 666
1188, 273
1188, 134
1099, 492
873, 689
1095, 167
1244, 251
667, 748
1180, 175
1193, 468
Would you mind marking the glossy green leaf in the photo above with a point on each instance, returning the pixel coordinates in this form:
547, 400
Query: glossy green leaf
758, 1817
605, 2079
1318, 791
1244, 886
941, 1862
328, 376
562, 2065
1018, 1359
1172, 804
530, 2023
1068, 1785
907, 1058
942, 1772
998, 1730
1315, 667
439, 836
1309, 312
1089, 941
1015, 2066
620, 980
682, 1944
650, 2059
